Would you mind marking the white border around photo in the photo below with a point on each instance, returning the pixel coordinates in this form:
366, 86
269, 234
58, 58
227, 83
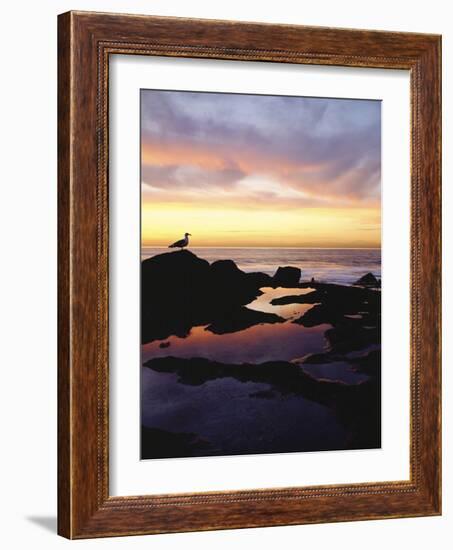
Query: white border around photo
128, 474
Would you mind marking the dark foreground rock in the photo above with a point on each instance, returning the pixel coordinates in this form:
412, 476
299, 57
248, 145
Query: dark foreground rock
287, 277
181, 290
369, 363
284, 376
241, 318
354, 315
347, 299
156, 443
368, 280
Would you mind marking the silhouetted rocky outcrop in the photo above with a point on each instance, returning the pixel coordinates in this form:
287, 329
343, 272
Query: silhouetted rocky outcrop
231, 285
174, 295
287, 277
368, 280
180, 290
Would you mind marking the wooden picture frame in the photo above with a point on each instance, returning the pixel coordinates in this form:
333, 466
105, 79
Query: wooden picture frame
85, 41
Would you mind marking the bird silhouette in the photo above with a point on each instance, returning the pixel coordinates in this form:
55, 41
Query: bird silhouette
182, 243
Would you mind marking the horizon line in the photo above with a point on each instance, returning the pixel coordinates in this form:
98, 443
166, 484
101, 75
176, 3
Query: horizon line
280, 247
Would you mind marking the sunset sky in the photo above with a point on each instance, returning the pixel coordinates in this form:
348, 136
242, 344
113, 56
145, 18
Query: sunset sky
251, 170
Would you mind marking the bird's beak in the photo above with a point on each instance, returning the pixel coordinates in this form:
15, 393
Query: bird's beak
190, 234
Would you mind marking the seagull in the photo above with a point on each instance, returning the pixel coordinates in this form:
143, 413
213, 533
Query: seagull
182, 243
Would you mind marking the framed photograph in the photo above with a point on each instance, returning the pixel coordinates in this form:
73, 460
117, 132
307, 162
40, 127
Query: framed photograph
249, 275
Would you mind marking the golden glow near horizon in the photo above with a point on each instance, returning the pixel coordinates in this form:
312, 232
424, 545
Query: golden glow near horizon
252, 171
162, 224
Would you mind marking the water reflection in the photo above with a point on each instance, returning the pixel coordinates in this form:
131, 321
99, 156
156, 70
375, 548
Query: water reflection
289, 311
257, 344
236, 417
230, 416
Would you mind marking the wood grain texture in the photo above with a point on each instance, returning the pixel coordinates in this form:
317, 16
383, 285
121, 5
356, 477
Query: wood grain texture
64, 374
86, 40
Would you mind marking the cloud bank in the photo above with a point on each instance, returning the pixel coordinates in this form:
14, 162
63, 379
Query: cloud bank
254, 151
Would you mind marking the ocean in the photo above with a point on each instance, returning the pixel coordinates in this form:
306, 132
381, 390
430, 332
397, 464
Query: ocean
332, 265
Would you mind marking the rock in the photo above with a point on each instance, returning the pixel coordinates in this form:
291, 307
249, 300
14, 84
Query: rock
334, 302
232, 284
310, 298
346, 338
260, 280
180, 269
180, 291
368, 364
176, 294
354, 315
240, 319
368, 280
283, 376
320, 314
287, 276
226, 269
156, 443
318, 359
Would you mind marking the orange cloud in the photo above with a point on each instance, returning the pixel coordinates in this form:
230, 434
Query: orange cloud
182, 153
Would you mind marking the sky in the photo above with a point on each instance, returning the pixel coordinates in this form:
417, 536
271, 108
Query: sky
256, 170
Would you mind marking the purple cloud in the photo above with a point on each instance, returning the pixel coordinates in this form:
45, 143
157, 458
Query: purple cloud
313, 146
